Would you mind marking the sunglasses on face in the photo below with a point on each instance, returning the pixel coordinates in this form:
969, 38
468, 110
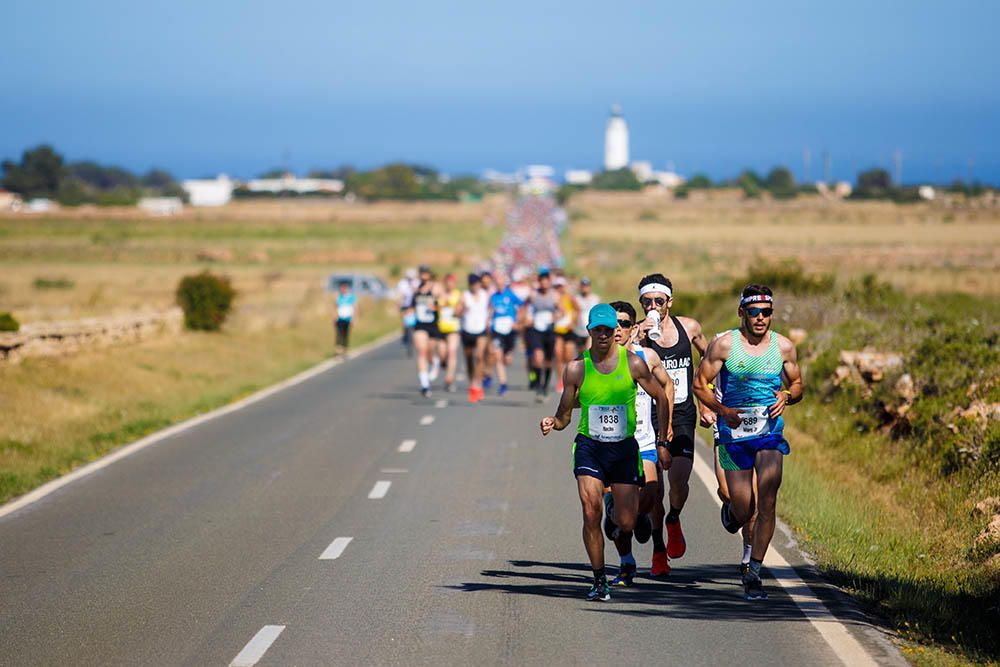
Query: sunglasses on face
647, 301
625, 324
755, 312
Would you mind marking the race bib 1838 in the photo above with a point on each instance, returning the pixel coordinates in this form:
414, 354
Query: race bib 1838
608, 423
754, 424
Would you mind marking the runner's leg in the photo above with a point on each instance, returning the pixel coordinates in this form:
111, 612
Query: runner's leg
768, 465
591, 492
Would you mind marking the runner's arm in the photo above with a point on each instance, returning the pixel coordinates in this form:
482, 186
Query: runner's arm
708, 370
792, 375
572, 379
661, 374
644, 378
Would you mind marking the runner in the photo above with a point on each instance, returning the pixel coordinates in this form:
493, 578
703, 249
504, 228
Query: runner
489, 286
586, 300
674, 339
346, 310
605, 452
449, 312
425, 331
504, 305
404, 290
541, 339
751, 364
720, 476
650, 500
565, 341
475, 316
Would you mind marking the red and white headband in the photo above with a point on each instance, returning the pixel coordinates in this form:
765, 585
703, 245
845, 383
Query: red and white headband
756, 298
655, 287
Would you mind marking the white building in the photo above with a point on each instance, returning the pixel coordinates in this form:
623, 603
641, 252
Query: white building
537, 179
209, 192
161, 205
616, 141
289, 183
668, 179
643, 170
579, 177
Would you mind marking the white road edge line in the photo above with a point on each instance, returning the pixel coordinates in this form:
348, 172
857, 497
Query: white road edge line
427, 420
380, 489
842, 642
257, 647
152, 439
336, 548
407, 446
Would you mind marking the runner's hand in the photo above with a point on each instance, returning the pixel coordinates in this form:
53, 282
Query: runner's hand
732, 417
644, 328
548, 423
779, 404
707, 419
666, 460
670, 432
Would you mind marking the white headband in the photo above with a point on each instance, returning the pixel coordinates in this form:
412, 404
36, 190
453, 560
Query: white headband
655, 287
756, 298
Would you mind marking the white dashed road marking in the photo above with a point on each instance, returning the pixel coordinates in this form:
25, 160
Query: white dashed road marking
395, 471
427, 420
843, 643
380, 489
407, 446
257, 647
336, 548
441, 403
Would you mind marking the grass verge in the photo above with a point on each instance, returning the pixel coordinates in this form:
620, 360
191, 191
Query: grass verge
64, 412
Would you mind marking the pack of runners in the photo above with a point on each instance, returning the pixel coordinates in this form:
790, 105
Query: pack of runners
546, 311
633, 453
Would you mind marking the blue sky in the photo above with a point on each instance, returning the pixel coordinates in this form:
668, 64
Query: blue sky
202, 87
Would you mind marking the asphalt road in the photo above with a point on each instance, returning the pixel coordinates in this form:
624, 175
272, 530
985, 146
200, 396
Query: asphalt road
205, 549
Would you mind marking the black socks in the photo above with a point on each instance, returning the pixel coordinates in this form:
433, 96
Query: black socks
673, 515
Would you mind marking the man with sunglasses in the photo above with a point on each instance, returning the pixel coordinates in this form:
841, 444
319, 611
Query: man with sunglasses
605, 451
673, 344
651, 497
757, 373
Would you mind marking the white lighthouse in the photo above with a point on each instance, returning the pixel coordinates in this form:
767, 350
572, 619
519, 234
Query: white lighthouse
616, 141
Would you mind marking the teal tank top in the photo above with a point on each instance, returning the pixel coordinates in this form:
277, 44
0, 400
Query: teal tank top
749, 382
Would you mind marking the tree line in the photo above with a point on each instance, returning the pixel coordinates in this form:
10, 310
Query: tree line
44, 173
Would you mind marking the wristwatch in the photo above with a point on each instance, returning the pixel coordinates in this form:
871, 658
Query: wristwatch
662, 443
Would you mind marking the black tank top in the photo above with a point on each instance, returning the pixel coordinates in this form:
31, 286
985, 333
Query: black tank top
423, 304
679, 363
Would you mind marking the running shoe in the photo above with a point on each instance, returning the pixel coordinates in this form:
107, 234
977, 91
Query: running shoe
487, 382
502, 390
744, 568
661, 564
643, 528
610, 529
450, 387
676, 545
625, 576
752, 587
600, 591
559, 387
425, 392
727, 520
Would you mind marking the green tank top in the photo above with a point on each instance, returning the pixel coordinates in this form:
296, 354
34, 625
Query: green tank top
607, 401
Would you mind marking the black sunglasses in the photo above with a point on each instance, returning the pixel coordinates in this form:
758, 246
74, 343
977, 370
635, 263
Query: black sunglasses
625, 324
648, 300
754, 312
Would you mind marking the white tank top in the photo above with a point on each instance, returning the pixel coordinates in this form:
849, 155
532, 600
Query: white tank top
476, 313
644, 434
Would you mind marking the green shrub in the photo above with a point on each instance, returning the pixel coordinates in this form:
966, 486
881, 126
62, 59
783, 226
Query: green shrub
786, 277
53, 283
8, 322
206, 300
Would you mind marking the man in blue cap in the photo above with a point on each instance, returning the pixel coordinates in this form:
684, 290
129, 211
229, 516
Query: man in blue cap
605, 451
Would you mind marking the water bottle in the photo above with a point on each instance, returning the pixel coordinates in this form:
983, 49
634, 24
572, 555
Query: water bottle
654, 333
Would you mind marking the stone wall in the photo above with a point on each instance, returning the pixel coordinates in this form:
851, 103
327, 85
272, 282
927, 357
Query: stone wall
48, 339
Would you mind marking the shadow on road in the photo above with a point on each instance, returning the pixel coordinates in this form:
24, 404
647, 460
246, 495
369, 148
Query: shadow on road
710, 592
